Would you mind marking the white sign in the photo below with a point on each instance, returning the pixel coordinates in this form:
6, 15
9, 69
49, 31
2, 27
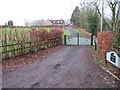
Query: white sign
113, 58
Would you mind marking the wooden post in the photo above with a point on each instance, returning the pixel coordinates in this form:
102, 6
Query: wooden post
64, 39
105, 60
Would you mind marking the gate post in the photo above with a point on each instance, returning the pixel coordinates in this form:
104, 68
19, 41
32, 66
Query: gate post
92, 40
78, 39
64, 39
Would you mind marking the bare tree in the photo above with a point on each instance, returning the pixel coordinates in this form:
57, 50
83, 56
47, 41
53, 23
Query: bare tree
118, 24
34, 22
113, 6
38, 22
27, 22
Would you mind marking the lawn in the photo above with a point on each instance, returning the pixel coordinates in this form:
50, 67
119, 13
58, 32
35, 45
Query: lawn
82, 34
67, 33
43, 28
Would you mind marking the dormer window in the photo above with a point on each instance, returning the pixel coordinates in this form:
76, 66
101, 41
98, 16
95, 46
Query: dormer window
57, 21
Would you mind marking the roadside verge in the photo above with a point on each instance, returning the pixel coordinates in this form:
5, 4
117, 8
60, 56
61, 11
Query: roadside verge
99, 59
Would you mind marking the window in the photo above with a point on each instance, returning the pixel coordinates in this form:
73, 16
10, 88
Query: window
58, 22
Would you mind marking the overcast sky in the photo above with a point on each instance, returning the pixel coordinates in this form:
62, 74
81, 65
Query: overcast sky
19, 10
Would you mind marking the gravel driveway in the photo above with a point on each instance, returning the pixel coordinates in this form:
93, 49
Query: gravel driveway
74, 39
73, 33
70, 67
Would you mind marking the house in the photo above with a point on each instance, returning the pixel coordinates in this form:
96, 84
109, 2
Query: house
48, 22
55, 22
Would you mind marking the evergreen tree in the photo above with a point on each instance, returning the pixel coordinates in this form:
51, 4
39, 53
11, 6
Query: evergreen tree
75, 17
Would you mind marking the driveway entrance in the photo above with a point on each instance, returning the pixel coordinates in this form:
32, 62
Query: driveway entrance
76, 39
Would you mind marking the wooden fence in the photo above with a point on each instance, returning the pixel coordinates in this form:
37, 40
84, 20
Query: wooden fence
34, 44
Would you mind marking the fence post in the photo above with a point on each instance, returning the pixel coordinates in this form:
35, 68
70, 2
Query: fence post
78, 39
64, 39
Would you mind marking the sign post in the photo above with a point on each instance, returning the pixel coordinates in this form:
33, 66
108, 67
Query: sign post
113, 58
95, 44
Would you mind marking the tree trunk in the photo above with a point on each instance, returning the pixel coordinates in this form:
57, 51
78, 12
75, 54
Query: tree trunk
113, 19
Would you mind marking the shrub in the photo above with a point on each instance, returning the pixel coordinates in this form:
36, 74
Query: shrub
106, 41
51, 38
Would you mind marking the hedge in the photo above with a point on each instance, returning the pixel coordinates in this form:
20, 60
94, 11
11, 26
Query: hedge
15, 42
51, 38
106, 41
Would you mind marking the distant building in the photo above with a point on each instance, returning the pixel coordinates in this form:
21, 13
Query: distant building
48, 22
10, 23
55, 22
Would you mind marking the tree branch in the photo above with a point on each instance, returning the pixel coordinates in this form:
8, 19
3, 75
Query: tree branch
103, 18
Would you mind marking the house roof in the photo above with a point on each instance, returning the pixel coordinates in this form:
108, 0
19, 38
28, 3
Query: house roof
48, 22
56, 22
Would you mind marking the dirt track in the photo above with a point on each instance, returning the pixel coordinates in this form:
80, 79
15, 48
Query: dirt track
70, 67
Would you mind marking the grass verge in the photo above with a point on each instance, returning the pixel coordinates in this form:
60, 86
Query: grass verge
67, 33
82, 34
100, 60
